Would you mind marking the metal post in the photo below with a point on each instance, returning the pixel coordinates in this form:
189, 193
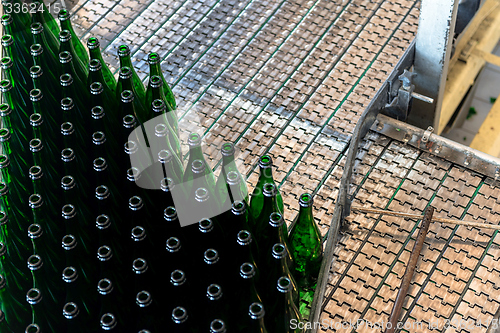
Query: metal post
432, 53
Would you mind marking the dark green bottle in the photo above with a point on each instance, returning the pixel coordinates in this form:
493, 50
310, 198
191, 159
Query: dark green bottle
146, 311
95, 53
48, 41
195, 153
218, 326
81, 52
245, 250
171, 166
45, 314
126, 83
215, 309
229, 165
67, 45
78, 225
155, 69
126, 61
46, 125
21, 106
75, 319
42, 14
236, 190
235, 220
154, 93
102, 95
181, 322
283, 312
43, 279
18, 190
77, 136
245, 293
274, 232
305, 244
43, 248
165, 137
72, 166
265, 177
22, 60
76, 256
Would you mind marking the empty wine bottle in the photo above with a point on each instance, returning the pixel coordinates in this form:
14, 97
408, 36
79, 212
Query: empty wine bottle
78, 225
101, 95
234, 221
49, 82
67, 45
218, 326
175, 256
245, 250
181, 322
212, 267
155, 69
45, 124
76, 320
80, 51
71, 84
146, 311
45, 217
265, 177
166, 199
111, 313
255, 318
126, 83
283, 312
216, 308
22, 109
274, 232
41, 246
236, 191
245, 293
22, 59
76, 256
195, 153
126, 61
18, 191
78, 290
47, 40
72, 166
110, 263
172, 169
142, 244
305, 243
228, 165
20, 83
172, 227
155, 93
163, 139
43, 281
95, 53
202, 177
204, 234
14, 26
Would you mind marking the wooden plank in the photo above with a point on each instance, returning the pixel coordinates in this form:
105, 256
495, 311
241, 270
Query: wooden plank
487, 139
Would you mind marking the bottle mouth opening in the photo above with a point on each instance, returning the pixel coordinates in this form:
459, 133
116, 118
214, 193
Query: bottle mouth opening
205, 225
228, 149
247, 270
173, 244
104, 253
67, 154
67, 128
6, 63
36, 95
32, 328
63, 15
233, 178
164, 156
177, 277
214, 292
70, 310
3, 217
96, 88
130, 147
97, 112
167, 184
125, 73
69, 242
34, 262
278, 251
239, 207
201, 194
133, 174
108, 321
211, 256
68, 211
270, 190
100, 164
217, 326
35, 231
65, 57
4, 134
36, 71
36, 50
143, 299
35, 201
138, 234
276, 220
70, 274
198, 166
158, 106
170, 213
36, 27
92, 43
5, 110
306, 200
5, 162
67, 182
256, 311
67, 103
194, 139
102, 192
104, 286
265, 161
127, 96
244, 237
123, 51
5, 85
284, 284
155, 81
161, 130
135, 203
98, 138
4, 189
153, 58
7, 40
179, 315
33, 296
66, 80
139, 266
64, 36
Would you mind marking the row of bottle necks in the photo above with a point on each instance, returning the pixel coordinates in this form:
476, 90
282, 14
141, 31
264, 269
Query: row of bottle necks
197, 171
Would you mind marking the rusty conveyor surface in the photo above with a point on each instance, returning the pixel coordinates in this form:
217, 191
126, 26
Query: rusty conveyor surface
291, 78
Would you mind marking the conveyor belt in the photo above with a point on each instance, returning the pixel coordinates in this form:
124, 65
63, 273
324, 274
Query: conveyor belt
291, 78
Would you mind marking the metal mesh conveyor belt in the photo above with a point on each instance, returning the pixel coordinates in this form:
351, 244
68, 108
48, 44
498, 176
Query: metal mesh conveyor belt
291, 78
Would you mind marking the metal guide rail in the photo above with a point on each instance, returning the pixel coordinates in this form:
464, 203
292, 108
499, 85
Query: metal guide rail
291, 78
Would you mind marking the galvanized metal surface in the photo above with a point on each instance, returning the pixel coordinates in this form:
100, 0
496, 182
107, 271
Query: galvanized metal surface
291, 78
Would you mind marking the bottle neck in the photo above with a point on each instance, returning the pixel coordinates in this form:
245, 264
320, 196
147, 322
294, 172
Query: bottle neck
306, 215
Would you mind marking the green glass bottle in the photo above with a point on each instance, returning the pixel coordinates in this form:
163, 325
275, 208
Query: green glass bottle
81, 52
42, 248
49, 82
76, 318
154, 93
159, 121
45, 187
13, 25
79, 225
261, 223
245, 294
283, 311
42, 274
42, 14
181, 322
126, 83
74, 129
245, 249
48, 41
22, 60
305, 244
265, 177
22, 109
235, 220
95, 53
72, 165
18, 190
13, 312
202, 179
110, 312
236, 190
126, 61
44, 157
171, 167
79, 288
103, 95
66, 44
46, 124
216, 309
275, 231
146, 312
42, 215
155, 69
77, 88
228, 165
255, 319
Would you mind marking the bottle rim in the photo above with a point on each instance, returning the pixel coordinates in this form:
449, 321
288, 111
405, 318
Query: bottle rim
201, 194
218, 326
131, 147
70, 274
67, 154
276, 220
177, 277
65, 57
4, 134
102, 192
3, 284
68, 211
4, 218
164, 156
5, 85
155, 81
104, 253
127, 96
3, 249
173, 245
179, 315
99, 164
95, 65
68, 182
35, 201
129, 121
96, 88
36, 95
133, 174
123, 50
36, 71
153, 58
5, 161
265, 161
247, 270
284, 284
161, 130
194, 140
244, 238
125, 73
135, 203
214, 292
93, 43
143, 299
35, 145
306, 200
98, 138
7, 40
97, 112
69, 242
138, 234
279, 251
6, 63
35, 262
63, 15
32, 328
233, 178
270, 190
66, 80
35, 231
5, 110
70, 310
167, 184
211, 256
7, 19
34, 296
64, 36
205, 225
36, 119
239, 207
4, 189
256, 311
228, 149
198, 166
104, 286
158, 106
170, 213
67, 128
108, 321
36, 50
139, 266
